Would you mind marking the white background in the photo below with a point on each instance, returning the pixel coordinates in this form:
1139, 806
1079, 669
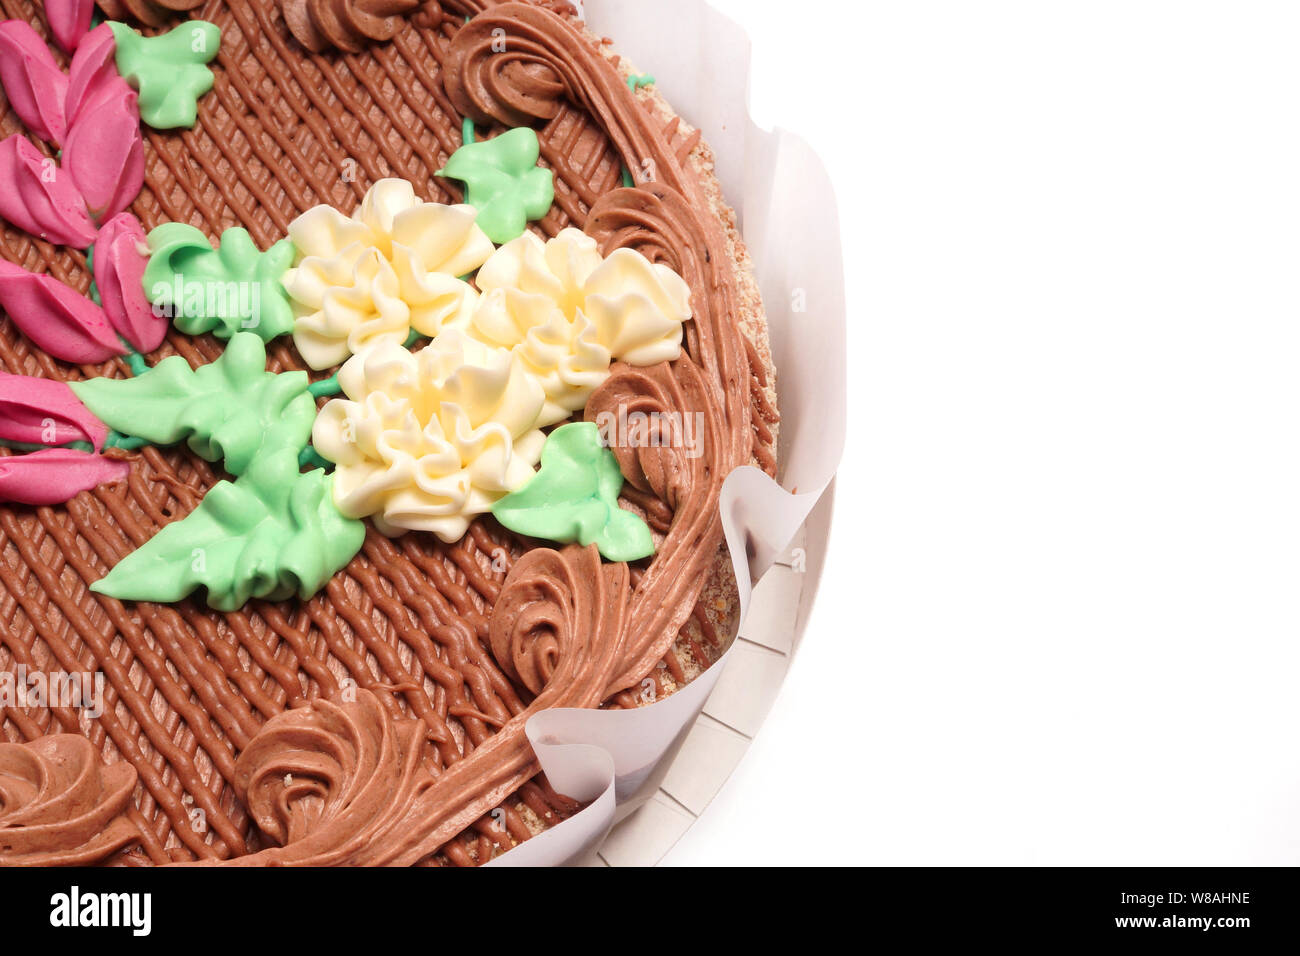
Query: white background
1060, 618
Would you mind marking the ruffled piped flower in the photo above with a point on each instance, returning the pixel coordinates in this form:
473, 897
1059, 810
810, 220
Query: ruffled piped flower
372, 278
427, 441
567, 312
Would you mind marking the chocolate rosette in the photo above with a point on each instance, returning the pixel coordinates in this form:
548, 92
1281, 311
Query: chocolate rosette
660, 461
60, 805
324, 780
348, 25
560, 624
518, 63
319, 25
553, 603
470, 8
152, 13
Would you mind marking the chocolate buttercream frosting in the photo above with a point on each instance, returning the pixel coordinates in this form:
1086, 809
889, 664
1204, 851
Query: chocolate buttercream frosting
348, 25
61, 805
152, 13
382, 721
343, 784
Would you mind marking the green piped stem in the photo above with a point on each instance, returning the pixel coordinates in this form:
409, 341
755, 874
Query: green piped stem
635, 83
29, 447
325, 387
124, 442
309, 457
135, 361
93, 294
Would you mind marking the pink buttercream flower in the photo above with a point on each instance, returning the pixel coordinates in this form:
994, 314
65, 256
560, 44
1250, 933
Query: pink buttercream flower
105, 153
121, 255
92, 112
41, 199
69, 20
93, 74
56, 475
57, 320
32, 81
42, 411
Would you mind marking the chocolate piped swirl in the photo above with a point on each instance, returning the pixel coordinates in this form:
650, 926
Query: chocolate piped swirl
710, 385
60, 805
152, 13
689, 481
471, 8
550, 594
348, 25
518, 64
319, 25
326, 780
342, 784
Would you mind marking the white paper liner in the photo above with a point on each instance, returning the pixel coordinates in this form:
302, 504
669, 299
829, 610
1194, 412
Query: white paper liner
789, 219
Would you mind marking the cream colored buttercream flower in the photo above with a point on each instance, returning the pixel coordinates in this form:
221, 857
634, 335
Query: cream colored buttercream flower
426, 441
391, 267
567, 312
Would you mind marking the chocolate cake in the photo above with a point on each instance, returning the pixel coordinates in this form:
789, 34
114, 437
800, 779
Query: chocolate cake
282, 583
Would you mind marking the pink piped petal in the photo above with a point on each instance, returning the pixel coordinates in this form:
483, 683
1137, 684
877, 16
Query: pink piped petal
40, 198
69, 20
42, 411
56, 319
33, 83
120, 261
105, 154
93, 74
56, 475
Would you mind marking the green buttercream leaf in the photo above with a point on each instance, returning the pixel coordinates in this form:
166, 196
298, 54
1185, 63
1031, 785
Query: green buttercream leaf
503, 182
574, 497
223, 291
169, 71
229, 410
271, 534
